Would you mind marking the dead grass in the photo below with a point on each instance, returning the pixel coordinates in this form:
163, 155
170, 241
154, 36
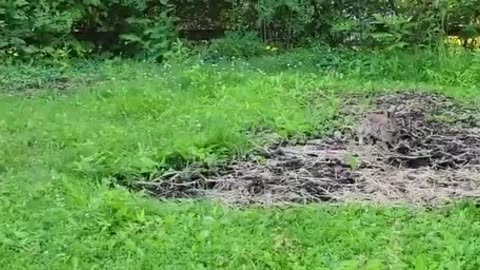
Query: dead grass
433, 163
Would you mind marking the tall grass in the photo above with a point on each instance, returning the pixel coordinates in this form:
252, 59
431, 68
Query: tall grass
145, 116
126, 118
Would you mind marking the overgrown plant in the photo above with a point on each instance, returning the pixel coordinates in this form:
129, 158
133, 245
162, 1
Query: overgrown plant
42, 28
147, 28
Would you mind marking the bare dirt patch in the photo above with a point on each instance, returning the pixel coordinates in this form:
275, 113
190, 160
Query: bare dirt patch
436, 160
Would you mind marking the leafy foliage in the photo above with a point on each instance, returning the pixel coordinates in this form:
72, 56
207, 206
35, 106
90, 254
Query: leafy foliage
147, 28
236, 45
45, 28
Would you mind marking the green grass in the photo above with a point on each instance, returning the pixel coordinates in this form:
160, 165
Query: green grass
60, 149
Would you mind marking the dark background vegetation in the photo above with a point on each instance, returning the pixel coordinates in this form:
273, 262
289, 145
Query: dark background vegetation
149, 28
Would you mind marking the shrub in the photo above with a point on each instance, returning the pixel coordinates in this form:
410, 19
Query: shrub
148, 28
235, 45
42, 27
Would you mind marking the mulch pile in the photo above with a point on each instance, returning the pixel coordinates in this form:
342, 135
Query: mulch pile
436, 160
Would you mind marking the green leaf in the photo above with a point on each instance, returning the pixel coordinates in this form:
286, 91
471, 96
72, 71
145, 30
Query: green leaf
30, 49
15, 41
131, 38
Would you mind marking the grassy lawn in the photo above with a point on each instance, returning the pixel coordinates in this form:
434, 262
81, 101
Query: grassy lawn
59, 151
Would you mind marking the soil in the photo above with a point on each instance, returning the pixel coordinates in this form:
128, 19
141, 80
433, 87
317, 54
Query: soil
436, 160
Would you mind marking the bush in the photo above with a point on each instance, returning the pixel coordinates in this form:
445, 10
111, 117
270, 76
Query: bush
42, 27
235, 45
148, 28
